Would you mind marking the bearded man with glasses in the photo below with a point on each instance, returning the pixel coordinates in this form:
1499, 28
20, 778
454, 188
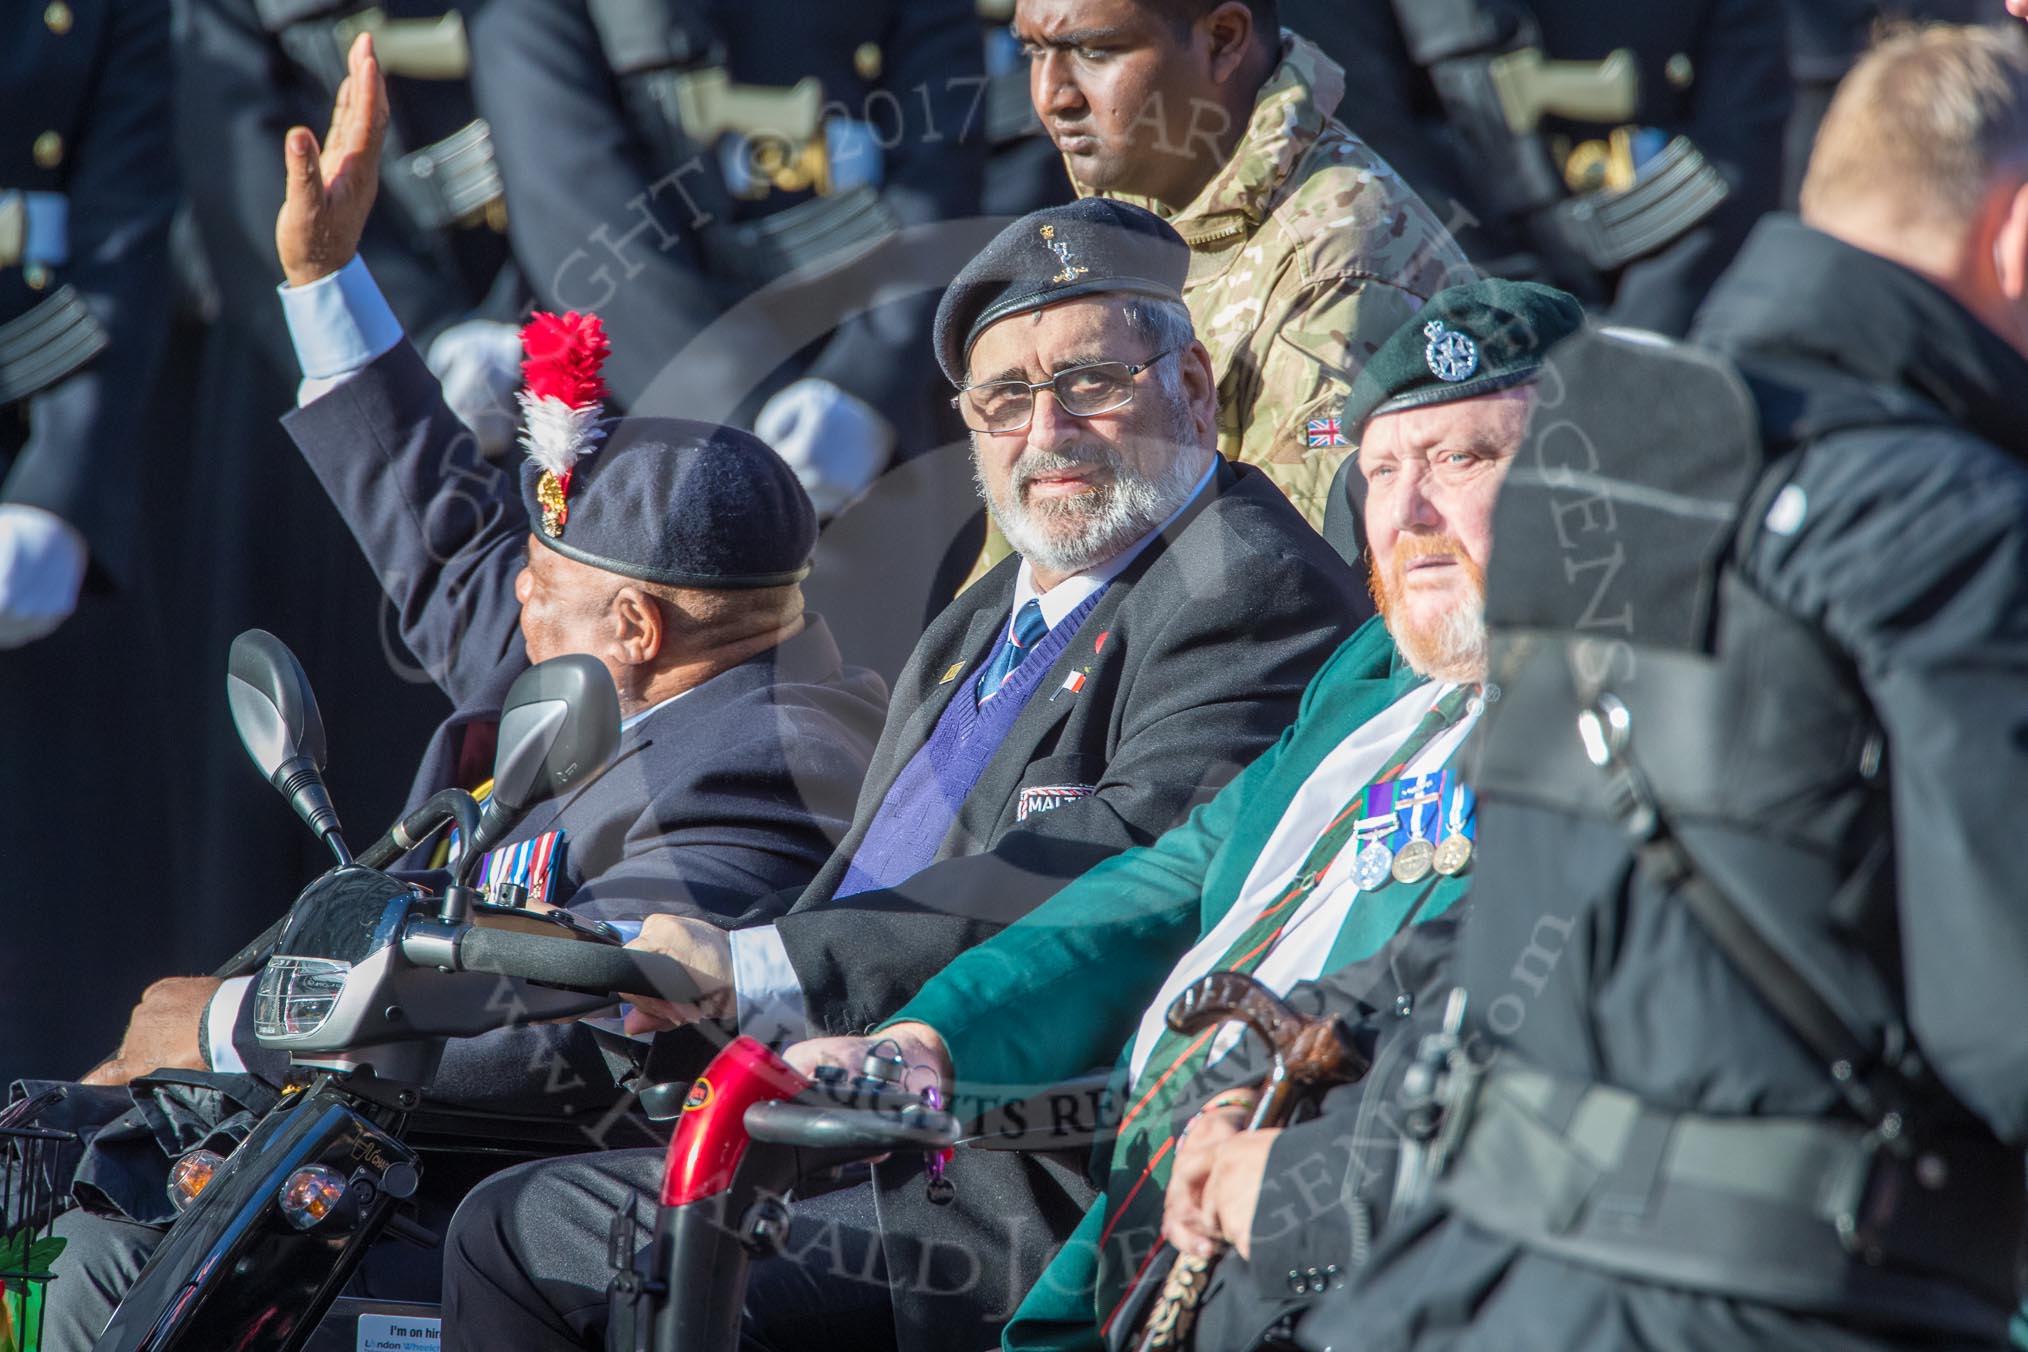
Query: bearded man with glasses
1153, 635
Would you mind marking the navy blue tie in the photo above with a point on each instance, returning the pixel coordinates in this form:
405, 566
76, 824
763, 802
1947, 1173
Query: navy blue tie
1029, 629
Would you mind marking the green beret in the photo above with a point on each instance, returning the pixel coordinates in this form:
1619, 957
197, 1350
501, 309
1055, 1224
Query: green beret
1467, 341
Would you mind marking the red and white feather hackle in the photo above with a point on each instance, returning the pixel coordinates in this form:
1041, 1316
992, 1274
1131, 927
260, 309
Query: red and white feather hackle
562, 400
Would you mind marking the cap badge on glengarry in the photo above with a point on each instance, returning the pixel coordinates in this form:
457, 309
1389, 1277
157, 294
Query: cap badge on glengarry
1452, 356
561, 403
1071, 271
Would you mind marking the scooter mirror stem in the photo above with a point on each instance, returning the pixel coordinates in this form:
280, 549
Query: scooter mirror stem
458, 903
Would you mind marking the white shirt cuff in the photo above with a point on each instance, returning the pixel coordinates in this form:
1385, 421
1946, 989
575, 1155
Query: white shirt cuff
219, 1019
769, 998
338, 325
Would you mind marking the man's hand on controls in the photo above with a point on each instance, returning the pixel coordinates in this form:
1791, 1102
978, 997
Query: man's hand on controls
699, 946
1215, 1183
165, 1031
922, 1052
331, 188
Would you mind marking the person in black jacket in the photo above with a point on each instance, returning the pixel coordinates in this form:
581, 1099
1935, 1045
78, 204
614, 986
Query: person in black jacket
1751, 1065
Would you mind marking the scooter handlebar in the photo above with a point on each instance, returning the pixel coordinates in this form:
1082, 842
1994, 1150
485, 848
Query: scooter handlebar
597, 969
912, 1126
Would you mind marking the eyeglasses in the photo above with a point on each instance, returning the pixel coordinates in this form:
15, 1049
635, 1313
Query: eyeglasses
1081, 391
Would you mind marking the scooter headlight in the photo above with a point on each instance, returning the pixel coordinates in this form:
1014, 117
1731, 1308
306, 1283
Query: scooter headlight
311, 1193
296, 995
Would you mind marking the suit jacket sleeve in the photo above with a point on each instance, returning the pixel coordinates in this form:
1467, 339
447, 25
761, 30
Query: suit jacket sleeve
720, 834
81, 459
1060, 991
443, 528
1222, 678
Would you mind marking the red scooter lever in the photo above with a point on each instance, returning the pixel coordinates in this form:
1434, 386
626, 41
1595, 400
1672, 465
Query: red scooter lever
711, 1137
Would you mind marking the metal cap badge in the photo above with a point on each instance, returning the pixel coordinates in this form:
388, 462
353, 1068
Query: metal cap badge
1452, 356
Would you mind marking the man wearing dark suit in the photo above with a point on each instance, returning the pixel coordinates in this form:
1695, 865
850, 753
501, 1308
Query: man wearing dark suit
1155, 630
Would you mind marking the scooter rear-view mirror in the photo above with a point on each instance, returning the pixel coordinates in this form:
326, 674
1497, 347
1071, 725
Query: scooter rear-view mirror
560, 724
276, 716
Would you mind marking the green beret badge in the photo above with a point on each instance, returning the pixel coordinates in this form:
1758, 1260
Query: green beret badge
1452, 356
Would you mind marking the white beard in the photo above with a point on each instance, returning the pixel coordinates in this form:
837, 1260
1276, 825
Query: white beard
1070, 535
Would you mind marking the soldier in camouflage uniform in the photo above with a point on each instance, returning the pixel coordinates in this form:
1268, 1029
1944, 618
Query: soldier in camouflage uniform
1307, 250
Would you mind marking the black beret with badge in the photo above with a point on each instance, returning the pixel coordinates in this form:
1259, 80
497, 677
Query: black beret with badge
1088, 247
1468, 340
664, 500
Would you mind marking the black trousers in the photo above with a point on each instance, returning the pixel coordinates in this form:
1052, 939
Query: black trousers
526, 1263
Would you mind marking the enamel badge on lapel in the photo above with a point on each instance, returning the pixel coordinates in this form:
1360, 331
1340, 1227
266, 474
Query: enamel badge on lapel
561, 403
1452, 356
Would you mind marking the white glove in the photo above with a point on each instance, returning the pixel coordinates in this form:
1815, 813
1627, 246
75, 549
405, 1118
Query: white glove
833, 440
478, 362
42, 566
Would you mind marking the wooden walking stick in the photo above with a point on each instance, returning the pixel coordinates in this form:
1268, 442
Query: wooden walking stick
1308, 1053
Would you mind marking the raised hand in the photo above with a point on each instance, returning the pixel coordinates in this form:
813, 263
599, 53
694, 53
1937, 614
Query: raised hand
331, 189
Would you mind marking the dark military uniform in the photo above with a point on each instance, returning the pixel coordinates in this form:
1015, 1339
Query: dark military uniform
663, 221
84, 303
1752, 932
1712, 71
900, 143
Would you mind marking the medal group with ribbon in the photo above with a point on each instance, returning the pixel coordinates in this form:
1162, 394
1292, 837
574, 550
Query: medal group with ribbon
1409, 828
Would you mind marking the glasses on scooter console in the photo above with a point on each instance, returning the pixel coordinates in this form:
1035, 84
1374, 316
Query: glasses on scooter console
1082, 391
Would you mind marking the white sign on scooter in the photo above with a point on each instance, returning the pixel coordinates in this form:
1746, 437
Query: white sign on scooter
399, 1333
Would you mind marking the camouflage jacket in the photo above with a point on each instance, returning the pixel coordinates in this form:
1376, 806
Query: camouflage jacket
1307, 252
